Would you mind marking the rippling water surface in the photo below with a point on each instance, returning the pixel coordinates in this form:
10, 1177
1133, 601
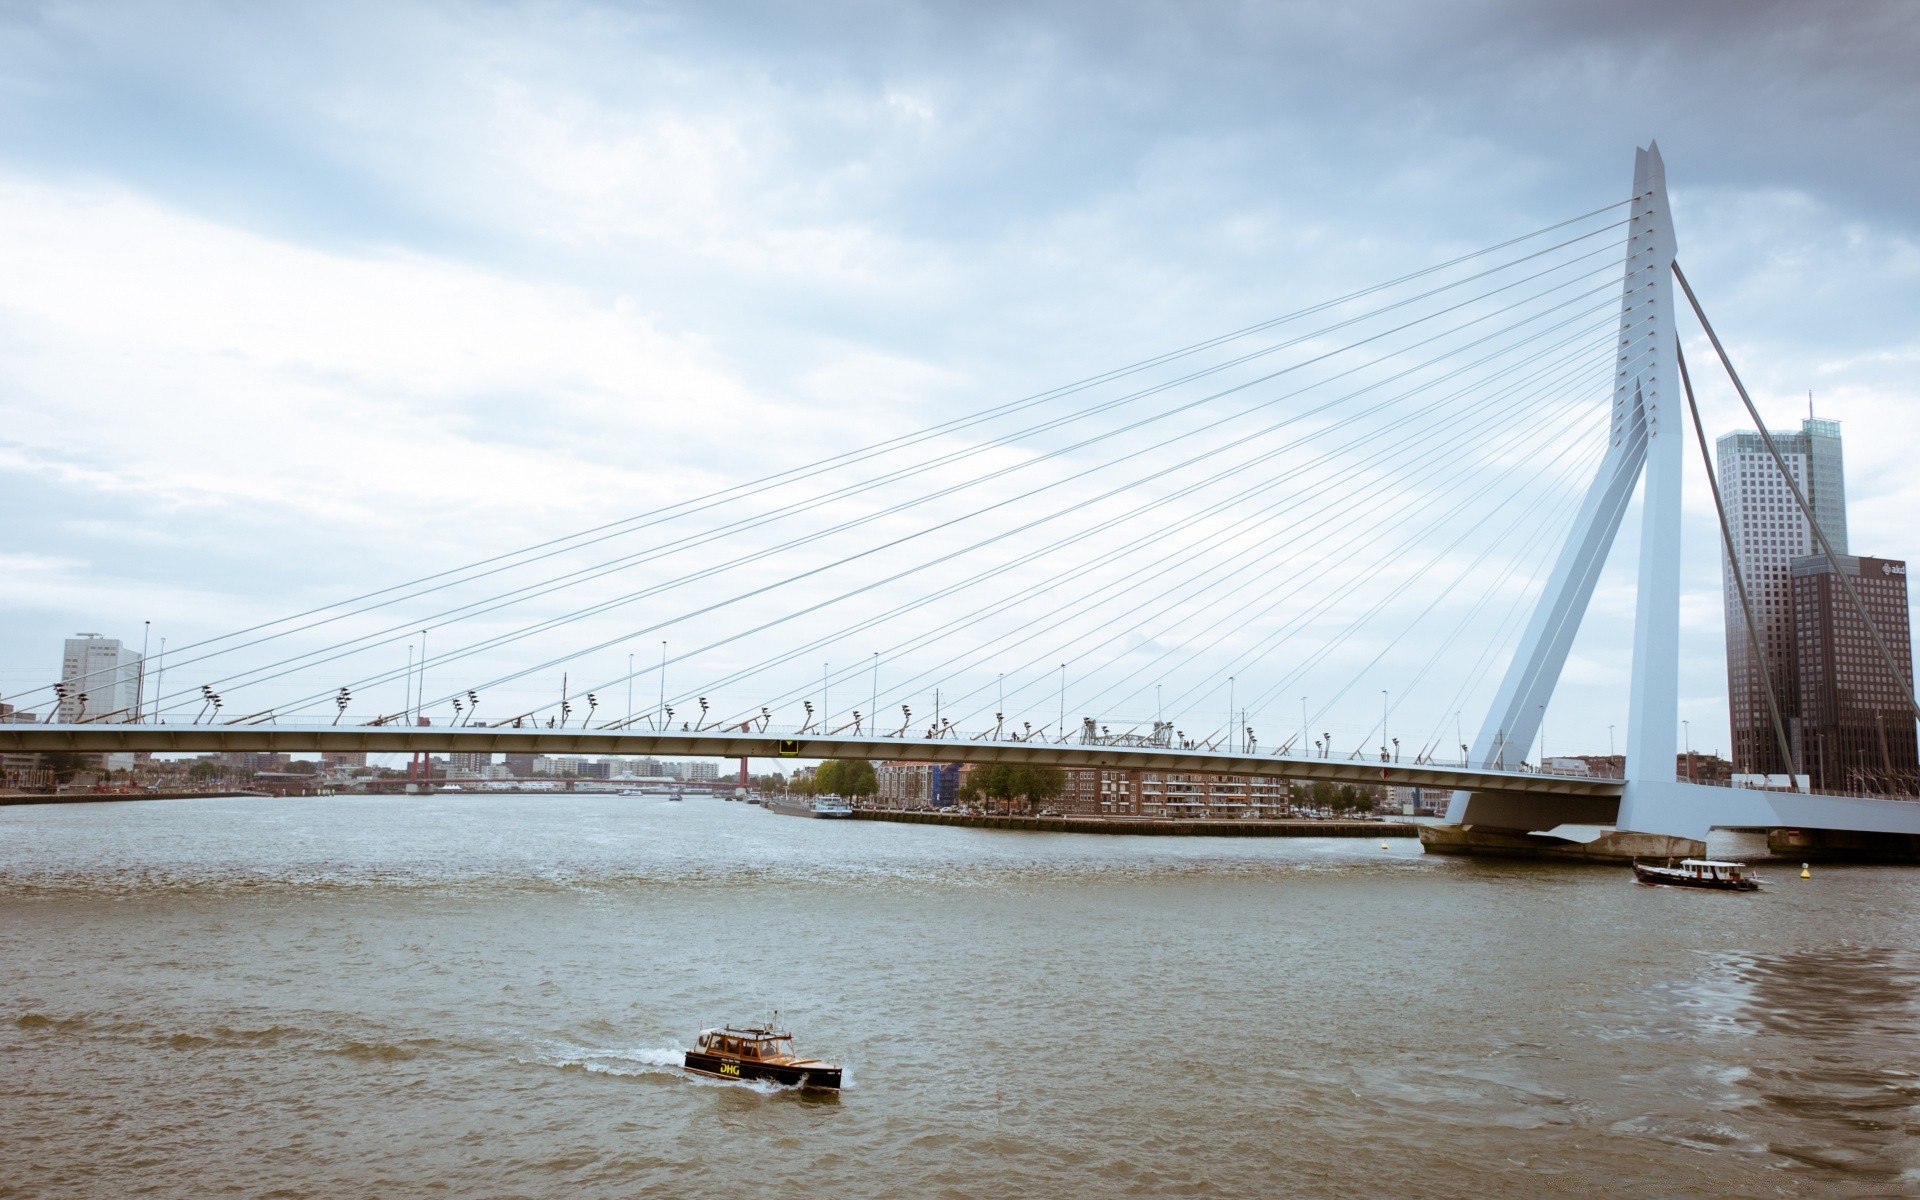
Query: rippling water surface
487, 996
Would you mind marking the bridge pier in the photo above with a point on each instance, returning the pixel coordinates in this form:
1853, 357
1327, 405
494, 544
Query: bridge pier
1844, 845
1606, 846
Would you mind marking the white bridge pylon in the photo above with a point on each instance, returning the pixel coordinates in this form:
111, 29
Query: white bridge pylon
1644, 438
1646, 434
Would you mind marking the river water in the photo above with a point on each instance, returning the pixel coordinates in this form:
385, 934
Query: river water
486, 996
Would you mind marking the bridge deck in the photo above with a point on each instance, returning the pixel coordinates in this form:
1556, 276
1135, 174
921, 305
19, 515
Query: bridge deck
401, 739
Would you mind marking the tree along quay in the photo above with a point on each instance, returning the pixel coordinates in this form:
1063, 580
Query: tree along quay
1148, 826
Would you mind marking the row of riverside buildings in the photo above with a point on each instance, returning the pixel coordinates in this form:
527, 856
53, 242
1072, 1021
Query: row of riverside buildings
1095, 792
514, 766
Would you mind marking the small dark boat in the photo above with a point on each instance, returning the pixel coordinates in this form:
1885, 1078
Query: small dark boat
1699, 873
758, 1052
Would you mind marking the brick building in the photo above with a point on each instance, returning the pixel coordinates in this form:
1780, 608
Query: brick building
1854, 731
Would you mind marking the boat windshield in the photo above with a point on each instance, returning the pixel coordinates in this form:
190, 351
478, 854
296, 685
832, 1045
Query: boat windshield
776, 1048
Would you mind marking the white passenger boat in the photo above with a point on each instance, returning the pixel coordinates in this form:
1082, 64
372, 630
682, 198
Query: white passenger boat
1699, 873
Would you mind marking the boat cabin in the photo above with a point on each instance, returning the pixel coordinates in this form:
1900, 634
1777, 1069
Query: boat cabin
1712, 869
753, 1045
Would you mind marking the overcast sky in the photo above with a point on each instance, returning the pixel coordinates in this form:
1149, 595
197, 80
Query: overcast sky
301, 301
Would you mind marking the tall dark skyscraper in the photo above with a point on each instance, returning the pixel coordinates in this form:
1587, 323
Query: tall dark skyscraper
1769, 532
1854, 729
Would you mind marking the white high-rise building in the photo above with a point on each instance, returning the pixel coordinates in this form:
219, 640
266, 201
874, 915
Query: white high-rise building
101, 678
1769, 532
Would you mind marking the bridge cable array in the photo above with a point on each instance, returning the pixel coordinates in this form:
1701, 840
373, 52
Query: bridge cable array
1185, 519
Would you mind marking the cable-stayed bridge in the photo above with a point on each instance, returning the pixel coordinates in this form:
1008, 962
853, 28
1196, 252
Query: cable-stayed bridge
1407, 492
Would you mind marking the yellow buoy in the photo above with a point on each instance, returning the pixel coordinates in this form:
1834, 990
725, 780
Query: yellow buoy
1804, 873
1383, 845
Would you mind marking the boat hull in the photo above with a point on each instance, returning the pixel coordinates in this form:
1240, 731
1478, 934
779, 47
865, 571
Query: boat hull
812, 1075
1664, 878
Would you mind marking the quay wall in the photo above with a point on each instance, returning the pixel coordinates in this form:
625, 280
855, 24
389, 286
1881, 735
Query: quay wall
1149, 826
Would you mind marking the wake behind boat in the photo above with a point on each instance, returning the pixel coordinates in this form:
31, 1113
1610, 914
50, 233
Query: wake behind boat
1699, 873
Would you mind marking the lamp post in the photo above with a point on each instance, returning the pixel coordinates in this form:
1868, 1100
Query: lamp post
1063, 702
159, 683
140, 688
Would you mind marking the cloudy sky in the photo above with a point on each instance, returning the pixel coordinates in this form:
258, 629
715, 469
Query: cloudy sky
300, 302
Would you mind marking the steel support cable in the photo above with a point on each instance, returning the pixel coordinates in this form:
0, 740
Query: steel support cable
403, 631
676, 657
1323, 605
1308, 578
1080, 607
1475, 617
756, 556
1546, 528
1505, 628
1327, 602
1632, 364
1508, 627
1596, 567
708, 536
1739, 575
1900, 678
1426, 450
1300, 583
1267, 603
1142, 538
944, 558
1542, 530
1147, 573
1152, 665
765, 483
1352, 629
1241, 467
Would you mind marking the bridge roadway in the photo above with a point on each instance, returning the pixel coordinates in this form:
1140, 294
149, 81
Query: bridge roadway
735, 743
1681, 809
